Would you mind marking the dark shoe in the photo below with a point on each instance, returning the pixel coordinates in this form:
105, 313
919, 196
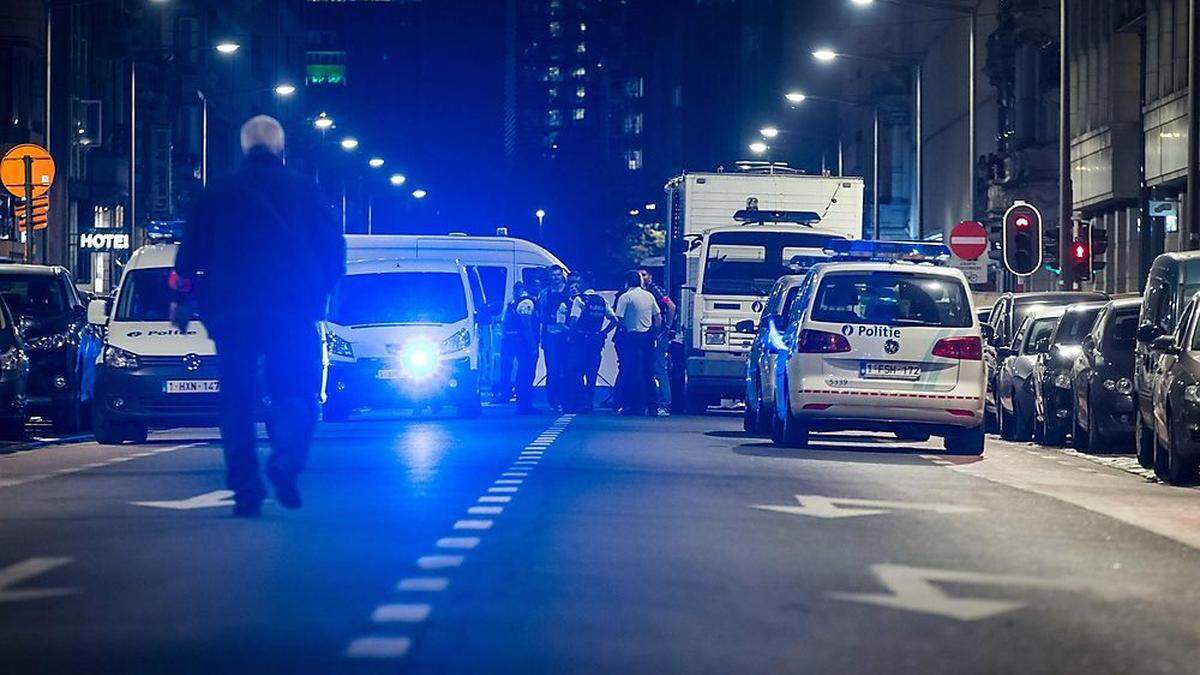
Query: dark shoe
249, 508
287, 493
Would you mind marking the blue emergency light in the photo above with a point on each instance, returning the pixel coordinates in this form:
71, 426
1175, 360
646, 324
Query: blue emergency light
866, 250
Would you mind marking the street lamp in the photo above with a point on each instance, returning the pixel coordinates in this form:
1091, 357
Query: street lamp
824, 54
795, 97
375, 162
349, 144
769, 132
419, 193
541, 216
323, 123
228, 47
285, 90
758, 147
397, 179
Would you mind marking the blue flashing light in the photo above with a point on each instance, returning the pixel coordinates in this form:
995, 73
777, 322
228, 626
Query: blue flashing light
866, 250
420, 360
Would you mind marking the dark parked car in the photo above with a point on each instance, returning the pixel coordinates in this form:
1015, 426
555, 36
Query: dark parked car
760, 367
1006, 317
14, 376
1102, 379
1175, 438
60, 344
1014, 386
1054, 407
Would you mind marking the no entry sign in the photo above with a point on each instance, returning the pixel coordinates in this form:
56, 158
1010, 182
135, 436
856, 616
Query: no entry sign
968, 240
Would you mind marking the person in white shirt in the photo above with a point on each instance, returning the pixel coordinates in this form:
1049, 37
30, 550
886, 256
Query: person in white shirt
640, 318
591, 320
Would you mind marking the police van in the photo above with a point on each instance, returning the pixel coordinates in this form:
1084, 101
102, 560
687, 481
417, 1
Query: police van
882, 339
404, 333
150, 373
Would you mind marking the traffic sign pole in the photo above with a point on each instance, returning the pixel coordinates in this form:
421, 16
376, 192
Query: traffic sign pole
28, 209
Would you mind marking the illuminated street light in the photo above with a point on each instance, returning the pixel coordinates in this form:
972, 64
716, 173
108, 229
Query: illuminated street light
323, 123
419, 193
651, 207
825, 55
397, 179
285, 90
758, 147
228, 47
795, 97
349, 143
541, 214
862, 3
375, 162
634, 212
769, 132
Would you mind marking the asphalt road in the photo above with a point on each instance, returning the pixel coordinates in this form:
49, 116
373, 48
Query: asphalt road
595, 544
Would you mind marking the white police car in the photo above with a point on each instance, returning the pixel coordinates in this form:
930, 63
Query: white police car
878, 342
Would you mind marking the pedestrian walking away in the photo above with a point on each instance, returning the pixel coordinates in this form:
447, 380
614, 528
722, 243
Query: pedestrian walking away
554, 304
640, 318
590, 323
261, 255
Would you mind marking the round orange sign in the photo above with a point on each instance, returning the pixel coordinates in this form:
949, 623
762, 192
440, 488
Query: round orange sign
12, 170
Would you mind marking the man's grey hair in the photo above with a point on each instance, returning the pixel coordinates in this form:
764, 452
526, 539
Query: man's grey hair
262, 131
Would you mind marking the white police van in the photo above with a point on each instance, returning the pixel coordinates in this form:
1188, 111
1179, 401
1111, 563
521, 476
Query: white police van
150, 373
878, 342
403, 333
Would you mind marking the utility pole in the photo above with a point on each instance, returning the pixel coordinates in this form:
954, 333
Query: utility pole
1066, 203
1193, 152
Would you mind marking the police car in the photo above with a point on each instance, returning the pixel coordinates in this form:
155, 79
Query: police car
882, 339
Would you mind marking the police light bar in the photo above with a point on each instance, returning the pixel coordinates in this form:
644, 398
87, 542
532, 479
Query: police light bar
164, 231
759, 216
887, 251
804, 262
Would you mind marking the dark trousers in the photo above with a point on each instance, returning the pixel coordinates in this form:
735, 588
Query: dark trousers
557, 353
502, 390
635, 377
585, 367
527, 357
291, 375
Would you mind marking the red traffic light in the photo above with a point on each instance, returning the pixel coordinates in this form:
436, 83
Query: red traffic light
1022, 222
1079, 251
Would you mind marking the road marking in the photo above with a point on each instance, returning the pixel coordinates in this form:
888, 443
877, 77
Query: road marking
502, 489
379, 647
437, 562
515, 474
93, 465
495, 500
818, 506
472, 524
208, 500
423, 584
13, 482
485, 510
458, 542
28, 569
509, 481
911, 589
403, 613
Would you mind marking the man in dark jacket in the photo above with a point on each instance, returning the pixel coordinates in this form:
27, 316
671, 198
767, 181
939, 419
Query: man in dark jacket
261, 254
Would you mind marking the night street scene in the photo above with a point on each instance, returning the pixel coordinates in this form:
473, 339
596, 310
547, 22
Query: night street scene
599, 336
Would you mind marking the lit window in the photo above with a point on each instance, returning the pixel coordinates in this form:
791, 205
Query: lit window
554, 74
582, 27
551, 140
580, 92
553, 92
581, 48
555, 6
579, 113
554, 117
633, 87
633, 159
555, 28
633, 124
580, 72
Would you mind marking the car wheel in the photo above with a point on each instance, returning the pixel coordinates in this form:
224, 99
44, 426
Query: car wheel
68, 418
1178, 470
964, 441
1022, 428
1160, 453
137, 433
1143, 442
1095, 442
788, 431
1006, 423
106, 431
752, 413
13, 430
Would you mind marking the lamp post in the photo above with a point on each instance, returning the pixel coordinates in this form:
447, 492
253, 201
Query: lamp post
827, 55
541, 216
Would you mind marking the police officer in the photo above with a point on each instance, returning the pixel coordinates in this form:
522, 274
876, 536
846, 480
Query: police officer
525, 345
554, 305
502, 391
590, 323
662, 343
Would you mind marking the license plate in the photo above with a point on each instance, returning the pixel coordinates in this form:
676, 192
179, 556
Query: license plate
874, 370
389, 374
192, 386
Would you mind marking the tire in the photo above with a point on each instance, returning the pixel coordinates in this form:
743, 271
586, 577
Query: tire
1095, 441
788, 432
1143, 442
1006, 422
1022, 427
13, 430
106, 431
334, 411
471, 407
137, 433
68, 418
964, 441
1160, 454
1178, 471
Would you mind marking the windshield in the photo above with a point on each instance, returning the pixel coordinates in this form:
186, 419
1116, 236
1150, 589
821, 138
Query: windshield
1074, 326
749, 263
145, 296
892, 298
1041, 330
35, 295
399, 297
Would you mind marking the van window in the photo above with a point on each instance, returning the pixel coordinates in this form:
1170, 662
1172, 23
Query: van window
495, 284
145, 295
894, 299
399, 297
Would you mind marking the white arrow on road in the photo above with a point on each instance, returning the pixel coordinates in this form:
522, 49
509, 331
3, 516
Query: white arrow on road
27, 569
207, 500
818, 506
912, 590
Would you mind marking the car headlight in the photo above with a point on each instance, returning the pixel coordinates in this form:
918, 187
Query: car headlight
339, 346
419, 360
13, 359
1062, 381
457, 342
47, 342
1123, 386
115, 357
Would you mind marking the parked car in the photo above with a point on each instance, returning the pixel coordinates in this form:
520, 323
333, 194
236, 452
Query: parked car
984, 314
1054, 407
1102, 379
760, 367
1014, 386
60, 344
1173, 279
1008, 312
14, 378
1175, 397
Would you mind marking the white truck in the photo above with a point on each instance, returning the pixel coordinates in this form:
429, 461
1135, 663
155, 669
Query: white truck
730, 237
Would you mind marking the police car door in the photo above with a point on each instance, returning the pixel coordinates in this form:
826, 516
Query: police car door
890, 330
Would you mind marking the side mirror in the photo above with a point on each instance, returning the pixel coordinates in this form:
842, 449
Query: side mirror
746, 326
1147, 332
987, 331
1165, 344
97, 312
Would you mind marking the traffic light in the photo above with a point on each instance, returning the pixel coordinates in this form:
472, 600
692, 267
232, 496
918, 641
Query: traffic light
1098, 245
1022, 239
1081, 257
41, 213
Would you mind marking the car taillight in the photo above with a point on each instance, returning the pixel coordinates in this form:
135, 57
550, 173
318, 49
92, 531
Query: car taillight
968, 348
820, 342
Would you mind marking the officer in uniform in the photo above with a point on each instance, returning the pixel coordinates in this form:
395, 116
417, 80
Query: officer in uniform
524, 309
502, 391
554, 304
590, 323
